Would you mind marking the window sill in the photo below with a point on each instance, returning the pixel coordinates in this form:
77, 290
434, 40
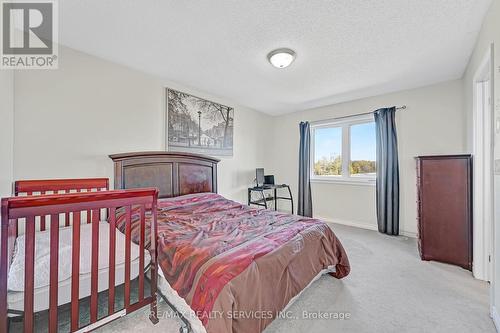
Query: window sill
352, 182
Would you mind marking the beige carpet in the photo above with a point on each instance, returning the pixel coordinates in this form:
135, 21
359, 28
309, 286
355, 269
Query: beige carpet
389, 290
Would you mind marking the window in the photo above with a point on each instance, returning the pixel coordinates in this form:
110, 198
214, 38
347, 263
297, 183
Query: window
363, 150
344, 150
328, 148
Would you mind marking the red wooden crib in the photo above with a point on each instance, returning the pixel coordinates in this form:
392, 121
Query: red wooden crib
83, 206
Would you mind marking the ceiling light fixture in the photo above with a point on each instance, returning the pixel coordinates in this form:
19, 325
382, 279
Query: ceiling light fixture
281, 58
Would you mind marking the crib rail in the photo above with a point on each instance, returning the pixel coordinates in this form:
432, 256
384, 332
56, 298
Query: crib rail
53, 207
58, 186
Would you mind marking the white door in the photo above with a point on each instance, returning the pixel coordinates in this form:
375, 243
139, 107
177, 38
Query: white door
483, 178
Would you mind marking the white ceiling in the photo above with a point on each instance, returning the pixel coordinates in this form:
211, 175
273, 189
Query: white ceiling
346, 49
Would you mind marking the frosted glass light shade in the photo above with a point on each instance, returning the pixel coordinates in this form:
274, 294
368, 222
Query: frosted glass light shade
281, 58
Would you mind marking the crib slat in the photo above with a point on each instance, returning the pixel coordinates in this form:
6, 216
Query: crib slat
66, 216
142, 223
112, 247
95, 266
42, 223
105, 210
89, 217
75, 272
42, 218
127, 256
54, 268
154, 264
29, 275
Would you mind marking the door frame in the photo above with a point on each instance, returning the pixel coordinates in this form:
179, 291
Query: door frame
483, 140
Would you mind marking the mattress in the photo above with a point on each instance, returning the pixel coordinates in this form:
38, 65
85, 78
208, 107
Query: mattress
15, 299
15, 296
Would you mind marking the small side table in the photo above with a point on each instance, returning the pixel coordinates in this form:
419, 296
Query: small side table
263, 202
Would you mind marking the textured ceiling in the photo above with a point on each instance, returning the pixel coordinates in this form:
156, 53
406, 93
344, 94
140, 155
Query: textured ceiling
346, 49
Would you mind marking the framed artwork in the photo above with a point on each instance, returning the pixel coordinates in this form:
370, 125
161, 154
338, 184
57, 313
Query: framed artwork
197, 125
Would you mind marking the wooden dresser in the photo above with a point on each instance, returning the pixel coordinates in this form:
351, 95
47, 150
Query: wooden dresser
444, 203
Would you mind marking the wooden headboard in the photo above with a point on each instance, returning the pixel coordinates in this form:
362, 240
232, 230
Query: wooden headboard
173, 173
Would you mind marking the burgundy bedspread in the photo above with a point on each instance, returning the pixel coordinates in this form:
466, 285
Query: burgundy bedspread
207, 244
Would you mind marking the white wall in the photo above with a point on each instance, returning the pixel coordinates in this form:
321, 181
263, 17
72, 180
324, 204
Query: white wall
68, 121
433, 123
490, 34
6, 131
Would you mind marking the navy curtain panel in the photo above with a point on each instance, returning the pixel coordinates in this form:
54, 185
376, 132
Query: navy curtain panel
305, 199
387, 171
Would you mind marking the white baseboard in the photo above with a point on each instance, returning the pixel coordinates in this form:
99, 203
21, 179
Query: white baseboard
363, 226
349, 223
496, 318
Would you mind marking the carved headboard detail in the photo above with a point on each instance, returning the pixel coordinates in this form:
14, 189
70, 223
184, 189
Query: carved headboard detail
173, 173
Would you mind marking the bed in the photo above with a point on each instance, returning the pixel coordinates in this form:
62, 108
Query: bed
60, 245
225, 266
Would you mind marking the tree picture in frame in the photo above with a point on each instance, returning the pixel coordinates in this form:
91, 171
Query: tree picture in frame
197, 125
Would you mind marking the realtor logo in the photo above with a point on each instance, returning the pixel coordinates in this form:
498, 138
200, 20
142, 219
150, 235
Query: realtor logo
29, 34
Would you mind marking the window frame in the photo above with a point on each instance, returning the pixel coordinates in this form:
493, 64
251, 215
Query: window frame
345, 124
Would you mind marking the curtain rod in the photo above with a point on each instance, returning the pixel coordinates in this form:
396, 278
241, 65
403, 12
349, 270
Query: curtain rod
403, 107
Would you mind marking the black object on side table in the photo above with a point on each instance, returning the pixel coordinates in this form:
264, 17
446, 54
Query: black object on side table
263, 201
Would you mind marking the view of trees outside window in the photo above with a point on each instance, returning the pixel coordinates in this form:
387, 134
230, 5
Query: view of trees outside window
363, 150
328, 151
